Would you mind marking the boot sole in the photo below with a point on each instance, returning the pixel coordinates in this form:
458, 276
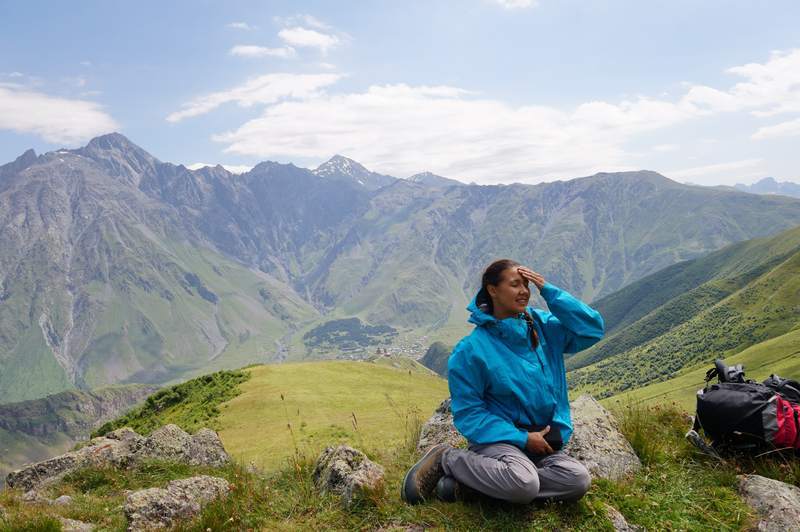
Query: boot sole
409, 492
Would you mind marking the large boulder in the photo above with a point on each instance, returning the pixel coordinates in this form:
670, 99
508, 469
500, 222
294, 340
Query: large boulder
124, 448
596, 440
598, 443
440, 429
777, 503
348, 473
182, 499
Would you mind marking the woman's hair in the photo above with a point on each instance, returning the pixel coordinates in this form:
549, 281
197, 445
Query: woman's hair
492, 275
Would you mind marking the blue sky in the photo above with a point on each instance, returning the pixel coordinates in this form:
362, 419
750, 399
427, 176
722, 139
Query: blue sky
480, 90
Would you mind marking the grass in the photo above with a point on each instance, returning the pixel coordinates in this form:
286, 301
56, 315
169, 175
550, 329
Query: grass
191, 405
780, 355
677, 489
314, 404
280, 407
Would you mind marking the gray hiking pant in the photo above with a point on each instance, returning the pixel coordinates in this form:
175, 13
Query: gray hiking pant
503, 471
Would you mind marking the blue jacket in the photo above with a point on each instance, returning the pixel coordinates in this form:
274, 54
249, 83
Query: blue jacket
496, 379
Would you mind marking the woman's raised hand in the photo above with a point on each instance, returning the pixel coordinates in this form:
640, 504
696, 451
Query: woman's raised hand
531, 276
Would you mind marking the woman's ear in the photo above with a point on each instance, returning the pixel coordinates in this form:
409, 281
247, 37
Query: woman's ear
491, 289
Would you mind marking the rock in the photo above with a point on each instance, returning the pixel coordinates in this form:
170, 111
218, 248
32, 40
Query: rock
347, 472
181, 499
33, 496
618, 520
124, 448
777, 503
206, 449
63, 500
71, 525
597, 442
440, 429
401, 528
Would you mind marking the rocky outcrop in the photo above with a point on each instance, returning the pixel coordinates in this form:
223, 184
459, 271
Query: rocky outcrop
71, 525
618, 520
597, 442
440, 429
182, 499
124, 448
74, 414
776, 503
348, 473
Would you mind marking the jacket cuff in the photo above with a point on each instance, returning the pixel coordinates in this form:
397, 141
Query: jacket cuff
549, 290
521, 440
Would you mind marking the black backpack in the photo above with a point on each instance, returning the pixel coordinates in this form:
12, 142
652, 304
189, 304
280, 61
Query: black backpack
739, 414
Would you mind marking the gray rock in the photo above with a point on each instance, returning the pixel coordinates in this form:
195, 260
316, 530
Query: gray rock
181, 499
348, 473
618, 520
71, 525
440, 429
63, 500
124, 448
34, 497
777, 503
597, 442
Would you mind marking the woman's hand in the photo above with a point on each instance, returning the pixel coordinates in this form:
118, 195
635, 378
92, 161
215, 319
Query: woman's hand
531, 276
536, 443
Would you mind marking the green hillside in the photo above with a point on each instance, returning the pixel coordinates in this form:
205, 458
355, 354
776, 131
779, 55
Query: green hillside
41, 428
780, 355
754, 300
283, 415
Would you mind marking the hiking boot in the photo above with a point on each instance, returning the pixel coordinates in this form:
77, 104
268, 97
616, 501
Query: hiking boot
419, 483
448, 489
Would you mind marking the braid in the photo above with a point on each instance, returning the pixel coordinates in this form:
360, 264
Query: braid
531, 330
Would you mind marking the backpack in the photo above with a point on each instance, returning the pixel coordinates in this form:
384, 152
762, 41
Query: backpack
739, 414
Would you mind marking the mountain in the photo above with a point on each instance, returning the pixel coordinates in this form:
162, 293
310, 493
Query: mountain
35, 430
104, 283
341, 168
436, 357
434, 181
691, 313
769, 185
116, 267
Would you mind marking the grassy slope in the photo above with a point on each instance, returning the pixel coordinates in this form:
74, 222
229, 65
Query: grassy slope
651, 306
765, 308
324, 403
780, 355
677, 489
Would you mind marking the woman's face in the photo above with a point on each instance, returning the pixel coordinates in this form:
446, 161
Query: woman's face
511, 295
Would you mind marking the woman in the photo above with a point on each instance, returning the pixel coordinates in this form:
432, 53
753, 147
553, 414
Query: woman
508, 388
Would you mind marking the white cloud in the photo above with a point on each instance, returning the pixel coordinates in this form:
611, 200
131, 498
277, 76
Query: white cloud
306, 38
302, 19
232, 168
244, 50
723, 169
402, 129
240, 26
663, 148
265, 89
56, 120
516, 4
784, 129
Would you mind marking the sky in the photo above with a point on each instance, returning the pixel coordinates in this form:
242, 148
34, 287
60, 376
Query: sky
485, 91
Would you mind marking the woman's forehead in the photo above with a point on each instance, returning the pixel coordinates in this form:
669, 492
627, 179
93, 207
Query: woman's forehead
511, 274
